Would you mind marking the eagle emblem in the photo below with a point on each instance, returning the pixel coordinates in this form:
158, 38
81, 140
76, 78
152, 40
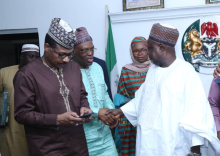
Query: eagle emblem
210, 28
202, 49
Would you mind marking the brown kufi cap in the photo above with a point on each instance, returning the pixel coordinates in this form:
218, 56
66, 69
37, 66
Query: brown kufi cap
164, 34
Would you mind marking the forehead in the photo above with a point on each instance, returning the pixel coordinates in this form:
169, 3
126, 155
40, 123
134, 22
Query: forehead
152, 43
61, 49
139, 45
84, 45
30, 53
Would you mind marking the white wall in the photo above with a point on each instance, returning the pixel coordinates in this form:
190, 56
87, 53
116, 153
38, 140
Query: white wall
21, 14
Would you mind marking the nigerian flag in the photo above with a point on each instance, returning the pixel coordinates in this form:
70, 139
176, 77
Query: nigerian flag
111, 59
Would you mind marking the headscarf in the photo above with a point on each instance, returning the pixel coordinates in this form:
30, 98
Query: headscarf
137, 66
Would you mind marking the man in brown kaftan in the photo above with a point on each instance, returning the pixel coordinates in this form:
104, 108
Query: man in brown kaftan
50, 96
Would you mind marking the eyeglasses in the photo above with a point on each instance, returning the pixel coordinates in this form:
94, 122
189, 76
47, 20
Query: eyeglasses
85, 51
137, 51
63, 55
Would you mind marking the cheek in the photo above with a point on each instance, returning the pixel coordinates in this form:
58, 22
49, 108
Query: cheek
150, 53
135, 56
145, 55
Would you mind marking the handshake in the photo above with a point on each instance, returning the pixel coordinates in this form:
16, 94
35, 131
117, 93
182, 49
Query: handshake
109, 116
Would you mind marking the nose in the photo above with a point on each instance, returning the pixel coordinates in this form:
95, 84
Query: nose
139, 53
66, 59
90, 53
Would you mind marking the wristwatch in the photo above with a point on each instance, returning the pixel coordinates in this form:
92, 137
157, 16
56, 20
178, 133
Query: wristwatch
195, 154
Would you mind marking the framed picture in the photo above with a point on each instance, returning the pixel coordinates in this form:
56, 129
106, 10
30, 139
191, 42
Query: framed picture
212, 1
131, 5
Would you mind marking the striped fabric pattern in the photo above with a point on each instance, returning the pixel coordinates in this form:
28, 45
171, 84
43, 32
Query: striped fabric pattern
138, 39
82, 36
129, 83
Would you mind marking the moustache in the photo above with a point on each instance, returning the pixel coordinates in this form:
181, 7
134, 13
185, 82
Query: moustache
63, 63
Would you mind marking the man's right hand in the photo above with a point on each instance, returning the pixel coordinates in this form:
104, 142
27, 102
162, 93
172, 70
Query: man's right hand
69, 118
216, 71
116, 112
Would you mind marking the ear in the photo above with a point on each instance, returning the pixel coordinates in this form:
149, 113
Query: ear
46, 47
161, 47
21, 56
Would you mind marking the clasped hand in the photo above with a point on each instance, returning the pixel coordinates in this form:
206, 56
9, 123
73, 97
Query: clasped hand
109, 117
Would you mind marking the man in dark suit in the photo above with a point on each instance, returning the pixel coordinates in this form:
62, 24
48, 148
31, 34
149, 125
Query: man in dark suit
105, 70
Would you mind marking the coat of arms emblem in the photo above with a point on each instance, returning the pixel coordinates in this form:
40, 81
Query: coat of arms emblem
202, 48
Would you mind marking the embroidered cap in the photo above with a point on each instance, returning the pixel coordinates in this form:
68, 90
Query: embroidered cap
62, 33
82, 36
165, 34
30, 47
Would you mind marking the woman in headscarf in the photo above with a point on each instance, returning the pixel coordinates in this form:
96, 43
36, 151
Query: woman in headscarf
132, 76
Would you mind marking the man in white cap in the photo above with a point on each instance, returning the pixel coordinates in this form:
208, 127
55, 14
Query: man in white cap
50, 97
170, 109
12, 137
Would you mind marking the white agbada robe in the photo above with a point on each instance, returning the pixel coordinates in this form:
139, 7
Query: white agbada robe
171, 112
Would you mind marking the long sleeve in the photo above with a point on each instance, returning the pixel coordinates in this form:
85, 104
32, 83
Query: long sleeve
131, 108
83, 94
108, 102
106, 77
197, 119
25, 112
214, 100
105, 72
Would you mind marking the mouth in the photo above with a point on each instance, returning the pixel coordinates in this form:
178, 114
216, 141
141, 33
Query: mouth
90, 60
62, 64
140, 58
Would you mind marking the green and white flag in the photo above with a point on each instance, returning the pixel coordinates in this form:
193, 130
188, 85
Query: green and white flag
111, 60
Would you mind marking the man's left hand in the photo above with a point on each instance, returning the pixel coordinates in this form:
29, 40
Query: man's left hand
84, 110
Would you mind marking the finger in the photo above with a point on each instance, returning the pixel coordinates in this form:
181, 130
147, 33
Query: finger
113, 126
90, 117
215, 74
109, 119
113, 118
108, 111
86, 111
105, 121
74, 114
76, 119
82, 111
117, 116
